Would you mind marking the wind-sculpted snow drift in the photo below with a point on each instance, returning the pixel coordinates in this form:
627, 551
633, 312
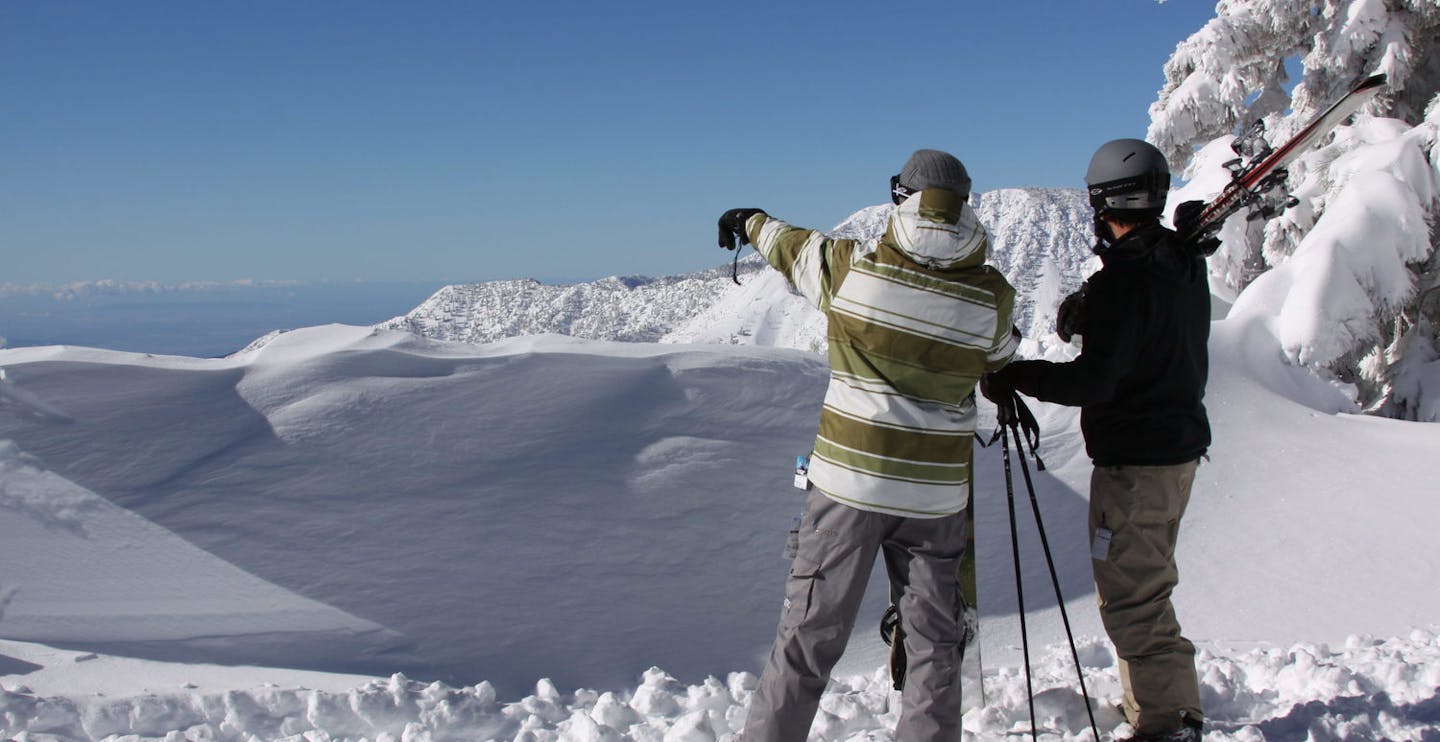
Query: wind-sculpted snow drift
496, 510
348, 499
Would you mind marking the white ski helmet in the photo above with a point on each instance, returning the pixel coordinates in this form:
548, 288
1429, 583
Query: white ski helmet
1128, 178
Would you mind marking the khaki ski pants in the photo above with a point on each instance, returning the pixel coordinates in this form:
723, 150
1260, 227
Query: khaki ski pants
1140, 507
838, 546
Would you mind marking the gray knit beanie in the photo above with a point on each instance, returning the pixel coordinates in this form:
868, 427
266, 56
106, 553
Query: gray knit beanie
931, 168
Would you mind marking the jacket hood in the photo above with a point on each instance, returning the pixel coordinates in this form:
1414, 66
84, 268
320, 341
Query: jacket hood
937, 229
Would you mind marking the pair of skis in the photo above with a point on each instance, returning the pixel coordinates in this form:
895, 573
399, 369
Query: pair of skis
1259, 171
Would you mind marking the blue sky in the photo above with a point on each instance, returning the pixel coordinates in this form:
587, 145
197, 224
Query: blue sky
465, 141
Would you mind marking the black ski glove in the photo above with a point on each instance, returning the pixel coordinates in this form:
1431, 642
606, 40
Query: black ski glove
1186, 219
998, 390
1070, 316
1187, 215
732, 227
1017, 376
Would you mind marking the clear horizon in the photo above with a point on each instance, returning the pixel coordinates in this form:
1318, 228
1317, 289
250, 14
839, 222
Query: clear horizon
460, 142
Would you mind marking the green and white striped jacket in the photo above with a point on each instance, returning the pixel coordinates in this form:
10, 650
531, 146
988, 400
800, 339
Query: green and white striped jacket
915, 318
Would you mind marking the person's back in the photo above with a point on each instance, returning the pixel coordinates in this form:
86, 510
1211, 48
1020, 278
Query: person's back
1139, 381
1148, 308
915, 318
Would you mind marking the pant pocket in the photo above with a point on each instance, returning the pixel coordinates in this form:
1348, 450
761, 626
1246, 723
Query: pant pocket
799, 590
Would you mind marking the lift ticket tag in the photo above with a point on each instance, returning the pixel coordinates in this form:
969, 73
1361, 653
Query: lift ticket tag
1100, 547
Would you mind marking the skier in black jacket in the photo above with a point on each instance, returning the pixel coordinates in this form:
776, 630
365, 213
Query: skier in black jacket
1139, 381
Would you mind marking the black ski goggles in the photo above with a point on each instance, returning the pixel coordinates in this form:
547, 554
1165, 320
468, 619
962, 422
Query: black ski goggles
898, 193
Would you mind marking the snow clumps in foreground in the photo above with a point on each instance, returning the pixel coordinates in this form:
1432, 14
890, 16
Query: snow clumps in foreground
1367, 690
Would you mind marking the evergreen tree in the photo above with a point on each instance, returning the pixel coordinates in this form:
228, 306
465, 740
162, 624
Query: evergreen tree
1357, 251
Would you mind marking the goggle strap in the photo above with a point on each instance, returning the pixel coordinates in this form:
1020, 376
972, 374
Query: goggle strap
899, 193
1148, 182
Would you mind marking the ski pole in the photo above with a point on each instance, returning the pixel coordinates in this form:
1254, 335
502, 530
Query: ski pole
1054, 578
1019, 583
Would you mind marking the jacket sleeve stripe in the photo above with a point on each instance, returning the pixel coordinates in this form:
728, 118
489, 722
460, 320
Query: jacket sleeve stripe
1007, 349
805, 257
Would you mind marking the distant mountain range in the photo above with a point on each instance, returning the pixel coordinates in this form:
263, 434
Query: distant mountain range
1041, 242
110, 288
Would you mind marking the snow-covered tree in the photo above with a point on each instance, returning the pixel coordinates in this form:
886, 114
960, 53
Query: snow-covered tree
1358, 250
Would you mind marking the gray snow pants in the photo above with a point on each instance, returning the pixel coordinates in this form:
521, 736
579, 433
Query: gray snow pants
838, 545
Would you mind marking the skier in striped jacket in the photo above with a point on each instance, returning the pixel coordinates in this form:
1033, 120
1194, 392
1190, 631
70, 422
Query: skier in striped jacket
915, 318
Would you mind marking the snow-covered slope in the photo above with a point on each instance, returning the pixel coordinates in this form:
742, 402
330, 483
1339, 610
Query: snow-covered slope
1041, 236
503, 512
368, 501
1043, 239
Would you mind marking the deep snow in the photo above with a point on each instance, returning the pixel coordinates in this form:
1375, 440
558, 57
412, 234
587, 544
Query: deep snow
342, 499
504, 512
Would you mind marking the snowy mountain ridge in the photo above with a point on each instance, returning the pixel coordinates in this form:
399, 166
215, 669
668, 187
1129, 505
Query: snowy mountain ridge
1041, 239
629, 308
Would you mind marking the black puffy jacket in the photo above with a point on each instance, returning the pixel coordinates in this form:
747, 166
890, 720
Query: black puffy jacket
1140, 376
